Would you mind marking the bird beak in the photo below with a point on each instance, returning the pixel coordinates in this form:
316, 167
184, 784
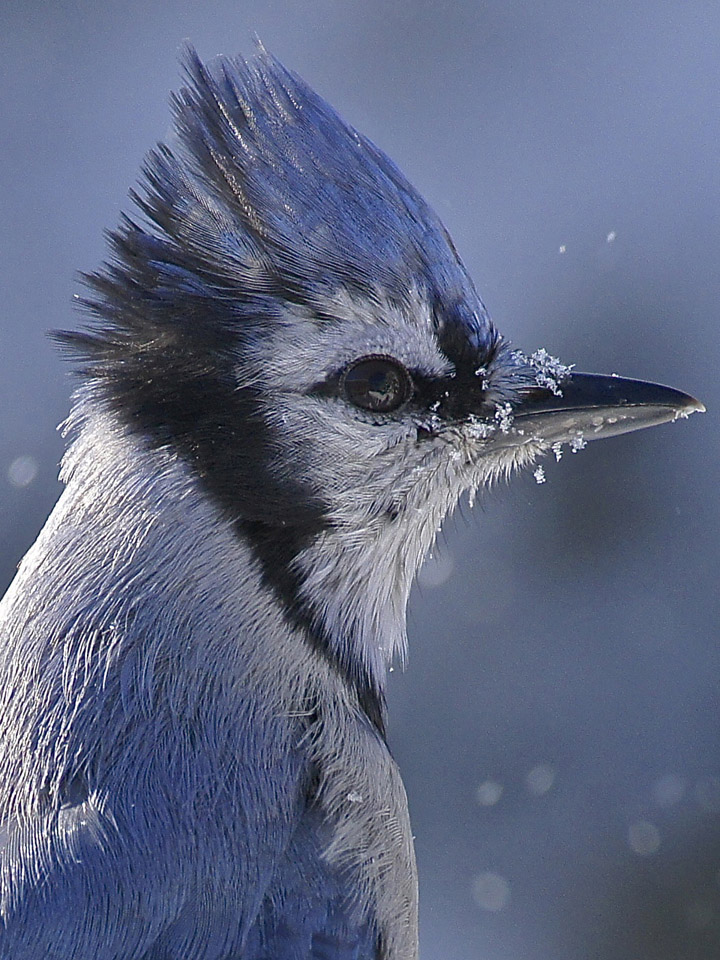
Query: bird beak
590, 406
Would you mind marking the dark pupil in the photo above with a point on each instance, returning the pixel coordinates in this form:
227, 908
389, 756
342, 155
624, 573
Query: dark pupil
375, 385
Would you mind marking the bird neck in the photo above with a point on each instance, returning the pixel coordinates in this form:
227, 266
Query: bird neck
145, 550
201, 600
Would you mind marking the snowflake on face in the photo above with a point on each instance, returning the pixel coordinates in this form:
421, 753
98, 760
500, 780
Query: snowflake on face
549, 371
504, 417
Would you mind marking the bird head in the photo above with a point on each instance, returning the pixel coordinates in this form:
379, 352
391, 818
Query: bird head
290, 318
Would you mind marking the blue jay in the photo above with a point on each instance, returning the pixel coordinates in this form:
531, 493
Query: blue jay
287, 382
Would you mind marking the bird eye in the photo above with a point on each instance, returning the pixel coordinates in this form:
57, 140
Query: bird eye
379, 384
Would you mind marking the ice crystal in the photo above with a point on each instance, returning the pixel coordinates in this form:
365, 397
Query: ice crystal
480, 429
549, 371
504, 417
578, 442
539, 475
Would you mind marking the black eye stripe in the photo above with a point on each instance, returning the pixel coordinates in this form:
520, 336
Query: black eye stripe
381, 384
377, 383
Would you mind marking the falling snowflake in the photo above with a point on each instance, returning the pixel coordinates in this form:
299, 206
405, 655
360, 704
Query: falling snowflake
557, 450
539, 475
489, 793
643, 838
577, 443
540, 779
491, 891
22, 471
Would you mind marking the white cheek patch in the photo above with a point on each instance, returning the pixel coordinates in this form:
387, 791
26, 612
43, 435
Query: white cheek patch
303, 350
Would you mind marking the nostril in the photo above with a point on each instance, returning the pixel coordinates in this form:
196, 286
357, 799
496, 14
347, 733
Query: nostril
425, 433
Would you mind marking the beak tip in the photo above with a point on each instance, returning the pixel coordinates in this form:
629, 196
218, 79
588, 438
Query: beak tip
604, 406
691, 405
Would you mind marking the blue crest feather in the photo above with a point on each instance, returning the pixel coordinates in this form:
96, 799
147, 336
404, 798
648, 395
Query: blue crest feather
267, 195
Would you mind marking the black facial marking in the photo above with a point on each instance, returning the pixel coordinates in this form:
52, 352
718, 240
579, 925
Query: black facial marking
425, 433
173, 385
471, 344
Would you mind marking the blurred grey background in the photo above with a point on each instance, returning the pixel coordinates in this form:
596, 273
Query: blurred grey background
557, 726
